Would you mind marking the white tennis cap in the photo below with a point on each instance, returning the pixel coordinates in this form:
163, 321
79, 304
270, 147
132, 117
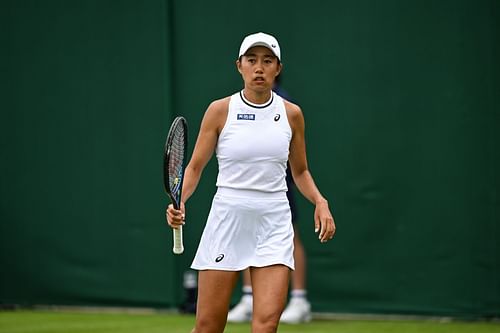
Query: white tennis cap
260, 39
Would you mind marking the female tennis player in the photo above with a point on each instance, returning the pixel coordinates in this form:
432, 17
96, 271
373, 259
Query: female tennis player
254, 133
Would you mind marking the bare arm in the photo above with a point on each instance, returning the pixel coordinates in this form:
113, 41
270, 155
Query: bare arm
211, 125
323, 219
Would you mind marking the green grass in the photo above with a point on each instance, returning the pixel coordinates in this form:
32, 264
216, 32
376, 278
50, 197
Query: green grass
83, 322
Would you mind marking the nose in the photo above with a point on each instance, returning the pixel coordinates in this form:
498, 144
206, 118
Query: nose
258, 67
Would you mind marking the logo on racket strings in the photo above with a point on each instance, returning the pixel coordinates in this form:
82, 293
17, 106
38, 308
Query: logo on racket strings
177, 184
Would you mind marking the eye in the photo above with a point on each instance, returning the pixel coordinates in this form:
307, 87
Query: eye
251, 60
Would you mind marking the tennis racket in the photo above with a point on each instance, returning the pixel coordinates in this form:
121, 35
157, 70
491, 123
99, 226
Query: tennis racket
173, 170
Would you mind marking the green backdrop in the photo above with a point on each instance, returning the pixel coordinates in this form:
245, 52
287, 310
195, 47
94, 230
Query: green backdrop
401, 101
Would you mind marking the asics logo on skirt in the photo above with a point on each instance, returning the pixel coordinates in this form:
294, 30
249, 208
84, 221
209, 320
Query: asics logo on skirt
219, 257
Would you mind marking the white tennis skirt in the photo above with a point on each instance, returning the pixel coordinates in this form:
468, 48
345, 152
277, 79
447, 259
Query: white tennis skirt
246, 228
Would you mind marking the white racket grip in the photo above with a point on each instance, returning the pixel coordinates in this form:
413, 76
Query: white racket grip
178, 245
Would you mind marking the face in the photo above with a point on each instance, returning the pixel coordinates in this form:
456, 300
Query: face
259, 68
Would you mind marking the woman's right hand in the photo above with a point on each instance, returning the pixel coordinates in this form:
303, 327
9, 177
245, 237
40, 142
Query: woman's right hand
175, 217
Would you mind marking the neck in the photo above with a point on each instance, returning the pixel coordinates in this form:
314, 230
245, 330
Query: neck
257, 97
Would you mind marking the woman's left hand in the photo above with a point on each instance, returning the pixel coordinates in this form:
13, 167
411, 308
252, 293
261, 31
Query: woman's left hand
323, 222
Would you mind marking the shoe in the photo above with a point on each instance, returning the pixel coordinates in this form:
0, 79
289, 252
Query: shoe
297, 311
242, 312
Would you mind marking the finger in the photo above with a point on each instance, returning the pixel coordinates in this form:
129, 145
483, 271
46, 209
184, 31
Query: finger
176, 221
329, 230
334, 229
175, 224
316, 224
173, 212
322, 234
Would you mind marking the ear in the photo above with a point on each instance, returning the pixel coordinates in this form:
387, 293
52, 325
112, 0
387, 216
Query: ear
238, 65
278, 71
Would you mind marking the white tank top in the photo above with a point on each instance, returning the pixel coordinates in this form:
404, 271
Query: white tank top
252, 150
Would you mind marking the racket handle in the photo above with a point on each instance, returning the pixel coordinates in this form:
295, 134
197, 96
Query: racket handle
178, 245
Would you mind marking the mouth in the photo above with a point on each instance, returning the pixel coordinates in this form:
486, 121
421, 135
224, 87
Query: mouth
259, 79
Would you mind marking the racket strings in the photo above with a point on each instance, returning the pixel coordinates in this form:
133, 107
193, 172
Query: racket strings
176, 159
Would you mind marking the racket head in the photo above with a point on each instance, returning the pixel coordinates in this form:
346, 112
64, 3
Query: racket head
174, 159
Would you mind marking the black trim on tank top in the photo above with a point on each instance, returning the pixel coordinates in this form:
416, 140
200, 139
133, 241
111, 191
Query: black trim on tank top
257, 106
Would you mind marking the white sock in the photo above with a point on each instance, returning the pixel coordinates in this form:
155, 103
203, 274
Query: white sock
247, 294
299, 293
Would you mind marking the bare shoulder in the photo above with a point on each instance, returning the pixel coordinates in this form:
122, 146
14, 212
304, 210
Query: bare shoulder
216, 114
294, 114
220, 104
